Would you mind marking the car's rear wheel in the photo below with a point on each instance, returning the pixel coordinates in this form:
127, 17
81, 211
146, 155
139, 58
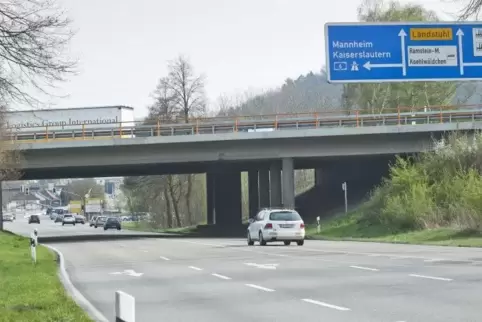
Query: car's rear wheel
300, 242
118, 228
287, 243
262, 242
250, 241
63, 224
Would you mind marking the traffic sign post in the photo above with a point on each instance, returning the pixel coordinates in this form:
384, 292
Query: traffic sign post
409, 52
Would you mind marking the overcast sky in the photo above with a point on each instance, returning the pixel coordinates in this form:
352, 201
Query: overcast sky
124, 45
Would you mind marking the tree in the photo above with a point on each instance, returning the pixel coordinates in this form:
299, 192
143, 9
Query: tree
78, 189
380, 97
34, 35
33, 38
184, 89
471, 10
182, 92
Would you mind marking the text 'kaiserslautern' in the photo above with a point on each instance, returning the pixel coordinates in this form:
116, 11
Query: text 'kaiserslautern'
362, 54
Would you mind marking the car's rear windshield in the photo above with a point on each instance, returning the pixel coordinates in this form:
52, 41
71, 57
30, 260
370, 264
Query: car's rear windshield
284, 216
112, 219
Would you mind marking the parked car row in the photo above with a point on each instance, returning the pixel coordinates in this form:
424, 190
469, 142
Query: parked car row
67, 218
106, 222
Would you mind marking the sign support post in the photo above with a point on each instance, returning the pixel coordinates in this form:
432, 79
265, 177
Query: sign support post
345, 189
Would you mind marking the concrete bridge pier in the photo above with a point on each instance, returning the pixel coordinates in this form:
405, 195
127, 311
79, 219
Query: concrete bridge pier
224, 198
253, 192
275, 185
210, 195
288, 176
263, 176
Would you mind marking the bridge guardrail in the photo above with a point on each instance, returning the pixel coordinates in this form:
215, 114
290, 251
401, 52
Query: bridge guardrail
246, 124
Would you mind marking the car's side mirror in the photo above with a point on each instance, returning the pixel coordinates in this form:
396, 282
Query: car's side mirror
251, 220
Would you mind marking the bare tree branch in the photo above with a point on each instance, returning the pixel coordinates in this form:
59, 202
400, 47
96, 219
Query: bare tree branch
34, 35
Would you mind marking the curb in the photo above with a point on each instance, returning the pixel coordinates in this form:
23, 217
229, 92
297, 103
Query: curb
74, 293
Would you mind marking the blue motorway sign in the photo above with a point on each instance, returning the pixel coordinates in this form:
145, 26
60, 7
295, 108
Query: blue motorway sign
395, 52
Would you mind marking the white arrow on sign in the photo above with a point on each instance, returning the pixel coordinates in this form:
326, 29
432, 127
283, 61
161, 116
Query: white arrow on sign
402, 34
264, 266
460, 34
129, 272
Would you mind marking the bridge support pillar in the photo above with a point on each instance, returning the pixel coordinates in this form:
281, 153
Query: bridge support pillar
288, 173
318, 174
263, 188
275, 184
227, 199
211, 196
253, 192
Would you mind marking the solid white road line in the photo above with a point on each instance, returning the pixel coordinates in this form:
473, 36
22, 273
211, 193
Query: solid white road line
195, 268
331, 306
164, 258
366, 268
259, 287
221, 276
432, 277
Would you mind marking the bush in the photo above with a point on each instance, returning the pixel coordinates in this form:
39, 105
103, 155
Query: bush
441, 188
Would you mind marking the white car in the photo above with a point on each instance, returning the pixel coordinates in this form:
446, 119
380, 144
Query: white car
68, 220
272, 225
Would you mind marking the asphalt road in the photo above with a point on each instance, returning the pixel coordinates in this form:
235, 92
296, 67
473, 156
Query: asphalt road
47, 228
226, 280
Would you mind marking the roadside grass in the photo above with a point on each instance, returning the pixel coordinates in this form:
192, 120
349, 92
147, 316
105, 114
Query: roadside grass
144, 226
351, 228
32, 293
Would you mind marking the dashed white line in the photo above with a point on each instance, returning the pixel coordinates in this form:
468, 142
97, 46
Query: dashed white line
432, 277
365, 268
221, 276
164, 258
331, 306
259, 287
195, 268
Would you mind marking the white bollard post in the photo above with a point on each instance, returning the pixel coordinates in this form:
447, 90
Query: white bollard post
318, 228
33, 245
125, 307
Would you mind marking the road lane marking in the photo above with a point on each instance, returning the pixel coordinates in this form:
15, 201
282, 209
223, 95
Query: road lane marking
365, 268
432, 277
331, 306
195, 268
221, 276
259, 287
164, 258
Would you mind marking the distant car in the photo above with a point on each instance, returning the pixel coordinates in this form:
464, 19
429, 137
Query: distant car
59, 218
79, 219
272, 225
100, 221
34, 219
68, 220
8, 217
112, 222
92, 221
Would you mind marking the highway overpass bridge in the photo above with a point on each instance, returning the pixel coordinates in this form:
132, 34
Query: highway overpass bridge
268, 148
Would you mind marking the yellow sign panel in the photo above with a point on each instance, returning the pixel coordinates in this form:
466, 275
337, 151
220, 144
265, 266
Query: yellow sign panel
75, 206
431, 34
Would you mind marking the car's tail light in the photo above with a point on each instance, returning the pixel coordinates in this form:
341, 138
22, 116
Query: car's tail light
302, 226
268, 226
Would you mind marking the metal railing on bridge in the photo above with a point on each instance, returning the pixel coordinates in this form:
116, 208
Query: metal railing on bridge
246, 124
